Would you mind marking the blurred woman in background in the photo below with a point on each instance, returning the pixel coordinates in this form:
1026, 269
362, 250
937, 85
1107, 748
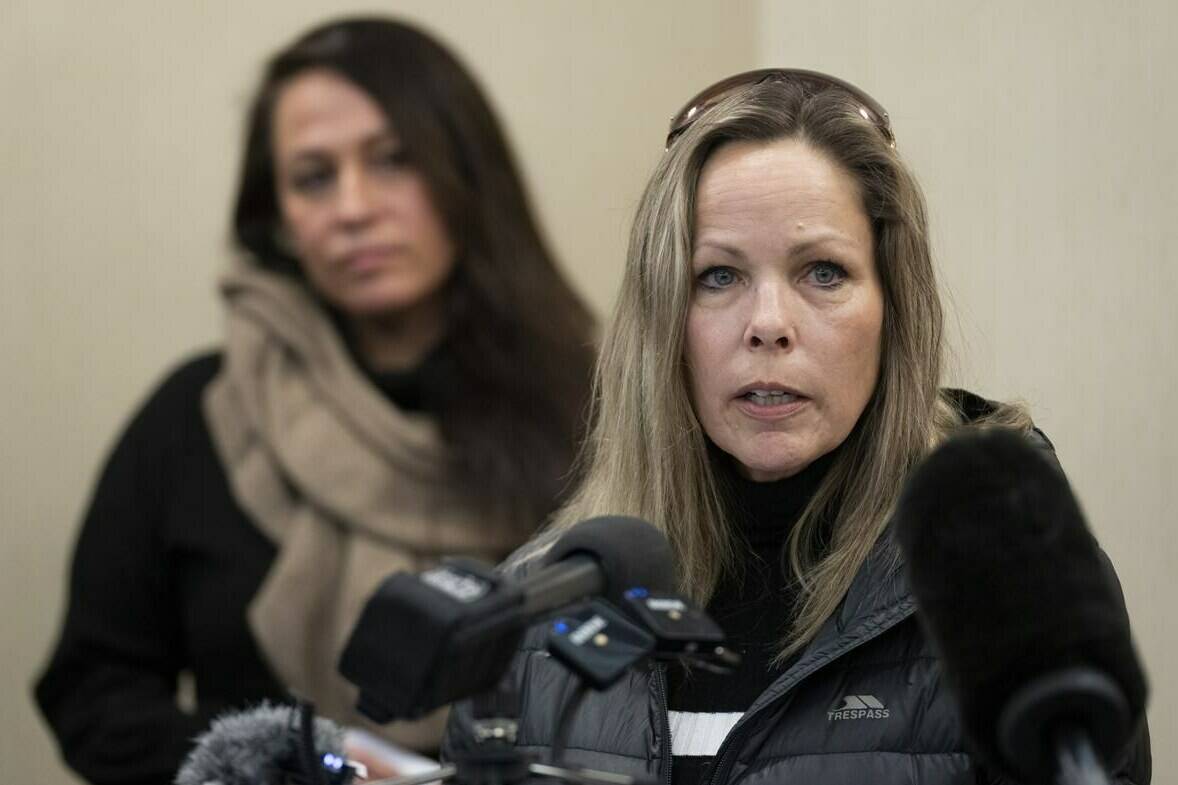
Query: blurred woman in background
403, 377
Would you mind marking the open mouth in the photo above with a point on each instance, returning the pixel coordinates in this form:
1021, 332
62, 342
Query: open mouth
770, 397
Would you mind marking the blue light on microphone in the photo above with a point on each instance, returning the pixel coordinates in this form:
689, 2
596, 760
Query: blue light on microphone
637, 593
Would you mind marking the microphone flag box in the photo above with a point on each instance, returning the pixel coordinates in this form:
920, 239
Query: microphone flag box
423, 641
678, 626
598, 643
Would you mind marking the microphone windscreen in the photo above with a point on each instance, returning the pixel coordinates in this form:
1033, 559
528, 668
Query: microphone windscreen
1009, 582
631, 552
249, 748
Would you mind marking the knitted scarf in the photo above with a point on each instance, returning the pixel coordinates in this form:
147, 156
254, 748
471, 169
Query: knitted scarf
348, 487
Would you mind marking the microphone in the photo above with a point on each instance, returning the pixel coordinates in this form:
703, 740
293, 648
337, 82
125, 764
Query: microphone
268, 745
1022, 607
619, 552
426, 640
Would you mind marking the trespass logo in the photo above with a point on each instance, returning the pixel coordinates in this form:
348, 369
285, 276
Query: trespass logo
859, 707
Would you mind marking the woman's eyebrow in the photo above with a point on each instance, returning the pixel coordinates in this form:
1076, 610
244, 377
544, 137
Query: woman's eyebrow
381, 137
307, 155
718, 245
830, 240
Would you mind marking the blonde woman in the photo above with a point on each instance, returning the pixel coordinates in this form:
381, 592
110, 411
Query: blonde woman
770, 377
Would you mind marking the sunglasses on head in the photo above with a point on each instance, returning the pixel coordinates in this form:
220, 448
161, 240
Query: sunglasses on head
811, 82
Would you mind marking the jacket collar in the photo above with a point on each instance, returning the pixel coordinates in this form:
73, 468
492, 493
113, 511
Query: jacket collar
880, 586
877, 600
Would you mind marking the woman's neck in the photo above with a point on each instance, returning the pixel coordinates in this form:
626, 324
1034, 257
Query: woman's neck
397, 341
766, 511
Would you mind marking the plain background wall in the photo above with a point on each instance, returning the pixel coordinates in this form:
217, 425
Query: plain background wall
1042, 134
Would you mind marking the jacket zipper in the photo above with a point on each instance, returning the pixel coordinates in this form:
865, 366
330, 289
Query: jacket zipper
730, 743
660, 685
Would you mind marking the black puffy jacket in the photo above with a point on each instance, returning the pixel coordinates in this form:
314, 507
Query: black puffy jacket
872, 652
864, 703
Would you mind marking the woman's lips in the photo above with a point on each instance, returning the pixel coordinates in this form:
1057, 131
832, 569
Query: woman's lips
769, 403
367, 260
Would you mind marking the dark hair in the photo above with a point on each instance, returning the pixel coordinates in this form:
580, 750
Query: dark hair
519, 340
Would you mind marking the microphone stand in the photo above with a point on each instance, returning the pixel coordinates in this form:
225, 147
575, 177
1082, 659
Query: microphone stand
1079, 763
599, 646
1065, 725
499, 763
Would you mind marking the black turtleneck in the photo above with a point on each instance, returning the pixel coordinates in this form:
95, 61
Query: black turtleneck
413, 389
753, 605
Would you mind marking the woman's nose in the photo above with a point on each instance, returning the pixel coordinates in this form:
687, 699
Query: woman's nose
354, 200
770, 321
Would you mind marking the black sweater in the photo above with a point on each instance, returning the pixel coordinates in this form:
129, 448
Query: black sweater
753, 606
163, 570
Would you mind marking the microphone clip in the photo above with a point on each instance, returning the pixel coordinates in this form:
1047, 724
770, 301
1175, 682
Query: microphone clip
681, 630
305, 765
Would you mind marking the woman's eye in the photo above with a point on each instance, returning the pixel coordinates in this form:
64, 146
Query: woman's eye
311, 181
717, 277
827, 274
391, 160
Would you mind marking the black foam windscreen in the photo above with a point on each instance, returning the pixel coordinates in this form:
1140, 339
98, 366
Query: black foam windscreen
1010, 584
631, 553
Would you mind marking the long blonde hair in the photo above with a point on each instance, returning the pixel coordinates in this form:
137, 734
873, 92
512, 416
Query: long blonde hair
646, 454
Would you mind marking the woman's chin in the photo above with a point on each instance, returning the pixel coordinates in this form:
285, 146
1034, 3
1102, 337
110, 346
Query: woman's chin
775, 458
379, 303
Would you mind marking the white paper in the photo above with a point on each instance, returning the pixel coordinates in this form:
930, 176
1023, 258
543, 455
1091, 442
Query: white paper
405, 761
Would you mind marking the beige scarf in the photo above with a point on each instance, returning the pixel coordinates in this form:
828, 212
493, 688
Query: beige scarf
346, 485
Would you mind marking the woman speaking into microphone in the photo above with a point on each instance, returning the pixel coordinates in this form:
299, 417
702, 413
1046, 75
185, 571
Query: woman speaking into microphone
770, 378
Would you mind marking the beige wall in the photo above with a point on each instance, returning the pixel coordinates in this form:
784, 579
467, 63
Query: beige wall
1042, 135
